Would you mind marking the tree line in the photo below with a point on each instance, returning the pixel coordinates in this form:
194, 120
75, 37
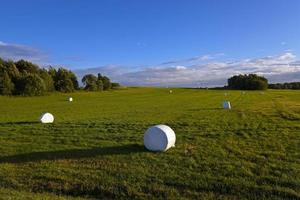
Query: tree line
28, 79
255, 82
292, 86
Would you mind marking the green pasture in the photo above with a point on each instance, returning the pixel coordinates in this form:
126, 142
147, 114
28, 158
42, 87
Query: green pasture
94, 149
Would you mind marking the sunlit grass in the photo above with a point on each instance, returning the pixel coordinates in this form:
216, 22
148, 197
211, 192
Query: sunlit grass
95, 147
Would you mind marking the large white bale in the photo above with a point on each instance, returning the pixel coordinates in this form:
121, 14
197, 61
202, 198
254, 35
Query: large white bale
47, 118
226, 105
159, 138
70, 99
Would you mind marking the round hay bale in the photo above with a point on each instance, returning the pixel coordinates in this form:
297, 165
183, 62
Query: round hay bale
226, 105
47, 118
70, 99
171, 91
159, 138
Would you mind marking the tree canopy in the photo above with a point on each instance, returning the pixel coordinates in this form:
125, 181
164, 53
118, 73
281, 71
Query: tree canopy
28, 79
248, 82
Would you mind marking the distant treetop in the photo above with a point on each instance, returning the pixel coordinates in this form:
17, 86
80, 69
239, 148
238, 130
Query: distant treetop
28, 79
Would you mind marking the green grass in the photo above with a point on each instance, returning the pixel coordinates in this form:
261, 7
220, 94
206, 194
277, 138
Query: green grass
95, 147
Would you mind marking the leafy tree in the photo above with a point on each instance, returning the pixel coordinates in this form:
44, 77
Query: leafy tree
63, 80
25, 66
90, 82
52, 72
248, 82
11, 70
292, 85
115, 85
49, 83
33, 85
99, 84
65, 85
106, 82
6, 85
74, 80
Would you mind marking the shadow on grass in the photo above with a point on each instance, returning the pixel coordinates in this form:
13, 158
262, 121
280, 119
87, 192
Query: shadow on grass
73, 154
20, 123
202, 109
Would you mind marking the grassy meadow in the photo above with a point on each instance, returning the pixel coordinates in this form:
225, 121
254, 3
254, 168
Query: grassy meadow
94, 149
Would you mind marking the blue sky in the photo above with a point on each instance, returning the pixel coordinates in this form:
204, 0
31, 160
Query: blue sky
140, 38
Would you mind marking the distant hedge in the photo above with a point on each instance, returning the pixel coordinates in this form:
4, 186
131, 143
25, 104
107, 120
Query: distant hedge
292, 86
28, 79
248, 82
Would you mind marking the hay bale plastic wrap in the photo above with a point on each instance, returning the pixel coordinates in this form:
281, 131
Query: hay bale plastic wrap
226, 105
70, 99
47, 118
159, 138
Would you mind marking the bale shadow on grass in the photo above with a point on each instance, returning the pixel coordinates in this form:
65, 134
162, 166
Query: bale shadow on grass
20, 123
73, 154
204, 109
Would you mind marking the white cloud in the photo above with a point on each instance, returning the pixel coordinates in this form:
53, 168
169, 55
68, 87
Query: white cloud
17, 52
194, 60
276, 68
283, 43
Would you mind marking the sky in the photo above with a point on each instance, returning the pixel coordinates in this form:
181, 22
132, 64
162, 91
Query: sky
159, 42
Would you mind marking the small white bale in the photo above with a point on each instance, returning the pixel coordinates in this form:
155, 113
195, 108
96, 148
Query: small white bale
47, 118
159, 138
70, 99
226, 105
171, 91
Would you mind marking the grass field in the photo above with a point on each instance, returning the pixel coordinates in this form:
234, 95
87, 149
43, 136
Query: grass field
95, 148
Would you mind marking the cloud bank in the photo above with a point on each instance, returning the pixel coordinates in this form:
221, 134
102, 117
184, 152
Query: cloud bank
199, 71
280, 68
17, 52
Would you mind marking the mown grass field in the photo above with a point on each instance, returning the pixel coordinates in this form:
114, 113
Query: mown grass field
94, 150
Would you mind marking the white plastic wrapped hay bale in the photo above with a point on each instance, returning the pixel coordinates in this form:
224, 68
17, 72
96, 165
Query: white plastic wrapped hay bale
47, 118
159, 138
226, 105
70, 99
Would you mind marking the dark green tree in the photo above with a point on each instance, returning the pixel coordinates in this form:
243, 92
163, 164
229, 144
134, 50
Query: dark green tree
49, 83
32, 85
11, 70
65, 85
248, 82
99, 85
90, 82
63, 80
106, 81
6, 85
25, 66
115, 85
